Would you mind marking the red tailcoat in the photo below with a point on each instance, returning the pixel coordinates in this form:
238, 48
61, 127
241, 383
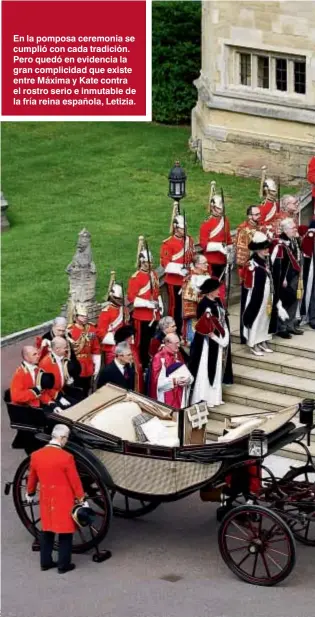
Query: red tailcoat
215, 229
60, 485
86, 345
172, 258
22, 388
172, 397
110, 319
311, 176
268, 211
139, 287
49, 365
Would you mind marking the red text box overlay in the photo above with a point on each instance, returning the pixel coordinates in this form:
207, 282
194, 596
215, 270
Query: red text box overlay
74, 58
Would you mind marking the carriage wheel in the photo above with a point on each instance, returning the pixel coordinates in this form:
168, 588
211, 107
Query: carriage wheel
257, 545
299, 484
95, 491
129, 507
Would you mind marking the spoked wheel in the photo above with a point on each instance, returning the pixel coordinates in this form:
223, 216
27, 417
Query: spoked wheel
128, 507
299, 509
257, 545
97, 496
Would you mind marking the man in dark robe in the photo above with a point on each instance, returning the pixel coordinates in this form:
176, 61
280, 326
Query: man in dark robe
308, 301
257, 296
120, 372
286, 273
210, 355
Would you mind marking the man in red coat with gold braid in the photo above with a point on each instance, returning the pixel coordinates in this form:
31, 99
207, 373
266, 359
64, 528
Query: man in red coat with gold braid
83, 338
215, 238
176, 255
110, 319
144, 293
27, 387
60, 485
63, 370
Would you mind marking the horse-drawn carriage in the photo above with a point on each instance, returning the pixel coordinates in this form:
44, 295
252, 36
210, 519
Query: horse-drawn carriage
133, 453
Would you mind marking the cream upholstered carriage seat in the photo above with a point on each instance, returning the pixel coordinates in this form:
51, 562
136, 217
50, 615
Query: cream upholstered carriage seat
268, 424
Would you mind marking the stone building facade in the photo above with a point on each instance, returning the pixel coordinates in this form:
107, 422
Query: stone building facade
256, 90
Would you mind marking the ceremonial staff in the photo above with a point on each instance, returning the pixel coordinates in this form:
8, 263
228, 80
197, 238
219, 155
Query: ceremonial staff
227, 270
151, 282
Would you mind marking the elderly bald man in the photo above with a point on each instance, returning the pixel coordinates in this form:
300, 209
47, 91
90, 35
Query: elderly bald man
63, 369
58, 328
29, 383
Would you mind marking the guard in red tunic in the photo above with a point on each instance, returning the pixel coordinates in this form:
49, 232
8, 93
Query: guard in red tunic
170, 379
83, 338
111, 317
308, 301
144, 294
60, 485
176, 255
311, 179
28, 386
270, 207
126, 333
215, 238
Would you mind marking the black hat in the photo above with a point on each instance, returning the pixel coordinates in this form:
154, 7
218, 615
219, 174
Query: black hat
210, 285
259, 242
83, 515
47, 381
123, 333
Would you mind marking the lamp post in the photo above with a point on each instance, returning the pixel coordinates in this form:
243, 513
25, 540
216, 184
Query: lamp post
177, 183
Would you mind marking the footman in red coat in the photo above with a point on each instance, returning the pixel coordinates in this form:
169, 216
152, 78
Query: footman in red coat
60, 485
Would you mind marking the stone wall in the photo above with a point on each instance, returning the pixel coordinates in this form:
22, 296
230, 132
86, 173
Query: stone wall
240, 128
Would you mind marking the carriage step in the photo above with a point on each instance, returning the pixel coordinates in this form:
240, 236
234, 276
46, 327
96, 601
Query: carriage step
277, 362
247, 396
276, 382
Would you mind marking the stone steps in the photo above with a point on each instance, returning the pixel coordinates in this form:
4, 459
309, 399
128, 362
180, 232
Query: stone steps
279, 362
274, 381
257, 397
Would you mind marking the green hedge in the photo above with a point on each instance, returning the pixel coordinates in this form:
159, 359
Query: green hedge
176, 36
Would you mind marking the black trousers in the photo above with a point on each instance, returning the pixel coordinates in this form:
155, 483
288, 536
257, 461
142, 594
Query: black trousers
146, 333
84, 383
47, 539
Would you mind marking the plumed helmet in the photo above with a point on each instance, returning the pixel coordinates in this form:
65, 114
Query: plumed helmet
217, 202
179, 221
259, 242
47, 381
145, 256
83, 516
116, 291
81, 309
270, 185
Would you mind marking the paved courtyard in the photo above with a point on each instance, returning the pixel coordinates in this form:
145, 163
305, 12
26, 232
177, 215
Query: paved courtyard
177, 539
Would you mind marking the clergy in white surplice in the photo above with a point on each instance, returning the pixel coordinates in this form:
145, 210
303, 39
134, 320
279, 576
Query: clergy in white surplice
258, 297
210, 355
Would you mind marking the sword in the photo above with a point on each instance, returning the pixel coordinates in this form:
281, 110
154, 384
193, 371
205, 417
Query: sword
227, 270
151, 282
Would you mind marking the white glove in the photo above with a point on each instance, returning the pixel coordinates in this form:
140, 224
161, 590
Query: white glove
230, 255
57, 410
29, 498
97, 363
85, 504
63, 401
161, 306
282, 313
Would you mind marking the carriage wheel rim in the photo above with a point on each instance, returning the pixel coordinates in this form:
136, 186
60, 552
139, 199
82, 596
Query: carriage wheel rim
24, 509
259, 545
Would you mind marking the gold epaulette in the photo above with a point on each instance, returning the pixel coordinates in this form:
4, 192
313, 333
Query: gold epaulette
133, 276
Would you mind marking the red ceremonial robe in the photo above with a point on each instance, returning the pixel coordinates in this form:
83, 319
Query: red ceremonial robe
55, 471
172, 397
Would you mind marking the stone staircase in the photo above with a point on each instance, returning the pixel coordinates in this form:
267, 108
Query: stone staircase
268, 383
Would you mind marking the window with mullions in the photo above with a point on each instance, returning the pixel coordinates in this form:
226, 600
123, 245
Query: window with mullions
299, 77
263, 71
245, 69
281, 74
